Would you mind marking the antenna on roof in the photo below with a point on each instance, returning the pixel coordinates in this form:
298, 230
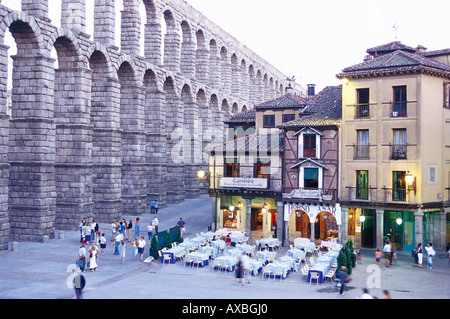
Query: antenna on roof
395, 30
290, 80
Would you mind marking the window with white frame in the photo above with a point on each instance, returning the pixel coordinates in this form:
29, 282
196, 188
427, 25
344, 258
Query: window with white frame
432, 174
310, 177
309, 143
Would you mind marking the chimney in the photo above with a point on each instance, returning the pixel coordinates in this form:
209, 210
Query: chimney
311, 89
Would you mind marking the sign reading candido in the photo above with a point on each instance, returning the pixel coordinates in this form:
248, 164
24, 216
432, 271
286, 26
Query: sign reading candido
241, 182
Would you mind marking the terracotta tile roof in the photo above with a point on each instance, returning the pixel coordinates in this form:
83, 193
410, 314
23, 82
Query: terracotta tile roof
243, 117
251, 144
285, 101
390, 47
326, 110
397, 59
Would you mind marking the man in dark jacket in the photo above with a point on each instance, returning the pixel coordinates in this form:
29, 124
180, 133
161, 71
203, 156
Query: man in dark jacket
342, 276
79, 282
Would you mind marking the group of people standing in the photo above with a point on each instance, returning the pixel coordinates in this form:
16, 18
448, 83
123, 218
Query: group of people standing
418, 255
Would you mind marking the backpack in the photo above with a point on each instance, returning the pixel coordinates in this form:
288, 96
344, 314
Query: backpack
414, 252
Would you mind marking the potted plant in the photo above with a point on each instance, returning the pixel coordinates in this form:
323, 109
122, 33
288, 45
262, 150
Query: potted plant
169, 240
154, 248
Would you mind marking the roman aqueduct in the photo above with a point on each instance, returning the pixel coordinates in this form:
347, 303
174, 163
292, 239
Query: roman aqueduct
109, 129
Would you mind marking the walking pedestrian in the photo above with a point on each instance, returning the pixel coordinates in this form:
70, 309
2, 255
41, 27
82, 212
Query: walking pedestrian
430, 253
182, 224
118, 239
79, 282
93, 254
141, 246
155, 223
122, 251
153, 207
420, 256
81, 231
134, 245
247, 270
377, 256
82, 257
386, 295
136, 227
150, 231
239, 272
156, 206
387, 253
343, 278
393, 254
365, 294
102, 243
129, 229
87, 233
113, 230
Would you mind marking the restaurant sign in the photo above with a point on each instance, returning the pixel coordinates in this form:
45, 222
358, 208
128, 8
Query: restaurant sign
241, 182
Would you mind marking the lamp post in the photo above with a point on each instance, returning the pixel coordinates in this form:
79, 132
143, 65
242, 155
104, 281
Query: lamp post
202, 175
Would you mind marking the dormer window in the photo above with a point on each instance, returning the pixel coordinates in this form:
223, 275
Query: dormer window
308, 143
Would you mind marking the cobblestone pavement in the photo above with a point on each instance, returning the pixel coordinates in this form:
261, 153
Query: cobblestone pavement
40, 271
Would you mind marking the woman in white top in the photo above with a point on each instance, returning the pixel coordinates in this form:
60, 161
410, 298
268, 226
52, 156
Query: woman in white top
93, 253
141, 246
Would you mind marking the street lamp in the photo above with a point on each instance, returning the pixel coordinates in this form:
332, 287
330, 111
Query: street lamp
399, 220
411, 182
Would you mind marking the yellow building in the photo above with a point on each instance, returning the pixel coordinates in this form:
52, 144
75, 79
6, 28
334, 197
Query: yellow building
395, 147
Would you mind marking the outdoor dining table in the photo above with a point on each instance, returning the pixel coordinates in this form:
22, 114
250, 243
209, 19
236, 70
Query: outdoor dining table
300, 240
172, 252
188, 244
255, 266
321, 268
285, 268
199, 255
290, 261
236, 237
217, 244
265, 255
234, 252
296, 253
306, 246
268, 241
229, 261
211, 250
244, 248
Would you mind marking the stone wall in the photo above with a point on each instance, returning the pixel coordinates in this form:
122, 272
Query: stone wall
108, 130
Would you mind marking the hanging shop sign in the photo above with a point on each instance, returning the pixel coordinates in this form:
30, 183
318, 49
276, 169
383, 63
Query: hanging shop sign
241, 182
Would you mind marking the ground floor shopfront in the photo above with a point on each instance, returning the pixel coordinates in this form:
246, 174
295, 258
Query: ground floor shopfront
370, 227
317, 222
256, 215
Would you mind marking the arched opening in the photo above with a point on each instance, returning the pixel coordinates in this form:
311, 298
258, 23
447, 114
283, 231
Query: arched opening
132, 142
326, 227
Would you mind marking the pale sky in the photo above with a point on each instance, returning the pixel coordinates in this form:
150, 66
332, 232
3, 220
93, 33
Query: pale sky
315, 40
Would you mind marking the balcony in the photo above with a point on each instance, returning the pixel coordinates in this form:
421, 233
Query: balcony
362, 111
310, 194
361, 151
356, 193
399, 152
397, 195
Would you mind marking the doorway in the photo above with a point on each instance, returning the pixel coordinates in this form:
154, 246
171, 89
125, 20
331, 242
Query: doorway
368, 228
257, 220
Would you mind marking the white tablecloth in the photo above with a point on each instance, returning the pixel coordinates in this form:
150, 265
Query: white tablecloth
264, 255
296, 253
285, 268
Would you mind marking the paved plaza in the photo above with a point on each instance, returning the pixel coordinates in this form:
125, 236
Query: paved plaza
41, 270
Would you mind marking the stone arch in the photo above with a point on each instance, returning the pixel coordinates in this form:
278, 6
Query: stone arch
188, 53
31, 134
94, 51
174, 131
106, 138
299, 225
225, 70
132, 141
73, 173
214, 65
172, 42
201, 58
236, 76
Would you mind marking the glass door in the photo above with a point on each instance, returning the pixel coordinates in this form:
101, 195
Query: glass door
362, 185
